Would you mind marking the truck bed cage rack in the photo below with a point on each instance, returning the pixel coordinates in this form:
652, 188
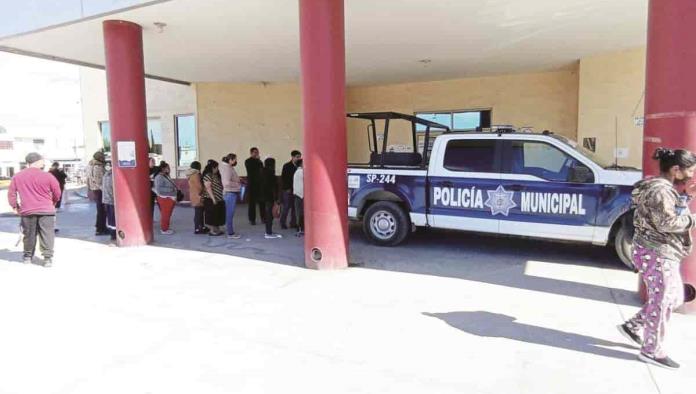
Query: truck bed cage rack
381, 157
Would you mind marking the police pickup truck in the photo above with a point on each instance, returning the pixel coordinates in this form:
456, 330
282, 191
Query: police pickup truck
498, 182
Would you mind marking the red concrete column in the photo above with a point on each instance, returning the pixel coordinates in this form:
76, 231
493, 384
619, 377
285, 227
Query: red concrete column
322, 51
125, 78
670, 90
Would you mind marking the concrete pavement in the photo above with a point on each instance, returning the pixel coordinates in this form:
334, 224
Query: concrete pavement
445, 313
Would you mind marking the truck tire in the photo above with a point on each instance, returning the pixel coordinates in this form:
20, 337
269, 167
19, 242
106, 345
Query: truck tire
624, 247
386, 224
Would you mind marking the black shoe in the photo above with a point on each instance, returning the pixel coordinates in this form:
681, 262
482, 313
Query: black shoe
253, 223
27, 260
664, 362
284, 227
630, 335
55, 230
48, 262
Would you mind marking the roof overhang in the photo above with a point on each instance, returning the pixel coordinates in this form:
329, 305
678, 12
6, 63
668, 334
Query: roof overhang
258, 40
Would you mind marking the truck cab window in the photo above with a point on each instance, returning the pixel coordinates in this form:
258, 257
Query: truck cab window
470, 155
547, 162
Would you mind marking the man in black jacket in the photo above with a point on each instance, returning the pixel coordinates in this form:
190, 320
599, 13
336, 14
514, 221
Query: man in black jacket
288, 197
254, 165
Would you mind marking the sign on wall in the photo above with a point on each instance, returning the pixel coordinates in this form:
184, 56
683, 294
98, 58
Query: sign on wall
126, 154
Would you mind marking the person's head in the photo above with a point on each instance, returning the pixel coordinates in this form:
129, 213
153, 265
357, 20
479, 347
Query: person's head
152, 162
211, 167
678, 165
35, 160
299, 163
55, 165
230, 159
254, 152
164, 168
269, 164
99, 156
107, 166
296, 155
196, 165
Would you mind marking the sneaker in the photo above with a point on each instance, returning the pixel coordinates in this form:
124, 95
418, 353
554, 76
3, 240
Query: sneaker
48, 262
299, 234
664, 362
630, 335
166, 232
273, 236
234, 236
27, 260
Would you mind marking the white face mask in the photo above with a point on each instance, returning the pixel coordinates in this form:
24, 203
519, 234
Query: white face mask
107, 168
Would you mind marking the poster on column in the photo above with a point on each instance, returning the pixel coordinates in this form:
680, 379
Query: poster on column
126, 154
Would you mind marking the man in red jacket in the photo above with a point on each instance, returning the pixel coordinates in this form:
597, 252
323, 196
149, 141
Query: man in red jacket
38, 193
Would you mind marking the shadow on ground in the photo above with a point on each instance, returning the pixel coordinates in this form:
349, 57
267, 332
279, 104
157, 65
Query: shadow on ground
495, 325
488, 259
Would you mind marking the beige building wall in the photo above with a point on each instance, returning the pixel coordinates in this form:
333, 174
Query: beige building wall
543, 101
611, 97
234, 117
164, 101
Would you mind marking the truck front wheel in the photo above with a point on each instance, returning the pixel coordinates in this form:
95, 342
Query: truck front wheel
386, 224
624, 247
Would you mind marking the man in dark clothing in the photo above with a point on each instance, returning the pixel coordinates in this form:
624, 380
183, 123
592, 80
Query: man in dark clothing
60, 175
38, 193
254, 165
288, 197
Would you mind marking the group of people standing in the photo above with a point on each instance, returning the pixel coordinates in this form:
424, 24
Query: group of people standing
216, 190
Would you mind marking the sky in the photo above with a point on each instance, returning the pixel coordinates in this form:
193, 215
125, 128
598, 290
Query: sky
40, 99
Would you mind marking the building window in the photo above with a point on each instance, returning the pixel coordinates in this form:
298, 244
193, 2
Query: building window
470, 155
186, 145
154, 135
105, 131
466, 120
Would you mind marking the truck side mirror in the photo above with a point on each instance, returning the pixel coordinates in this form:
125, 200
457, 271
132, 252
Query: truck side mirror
580, 174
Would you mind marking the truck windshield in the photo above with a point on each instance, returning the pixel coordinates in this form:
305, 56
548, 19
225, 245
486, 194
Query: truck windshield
585, 152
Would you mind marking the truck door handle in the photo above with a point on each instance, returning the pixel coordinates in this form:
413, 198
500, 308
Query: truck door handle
446, 184
516, 188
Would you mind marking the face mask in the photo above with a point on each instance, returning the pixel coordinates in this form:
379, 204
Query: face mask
108, 168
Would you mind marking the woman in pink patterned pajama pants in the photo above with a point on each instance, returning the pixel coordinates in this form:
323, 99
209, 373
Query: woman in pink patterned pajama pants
662, 239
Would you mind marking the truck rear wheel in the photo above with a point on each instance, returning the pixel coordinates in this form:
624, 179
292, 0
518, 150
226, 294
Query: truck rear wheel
386, 224
624, 247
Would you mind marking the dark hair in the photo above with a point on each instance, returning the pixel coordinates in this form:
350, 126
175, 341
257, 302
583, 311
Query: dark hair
196, 165
253, 149
55, 164
299, 162
669, 158
209, 167
230, 157
269, 164
295, 153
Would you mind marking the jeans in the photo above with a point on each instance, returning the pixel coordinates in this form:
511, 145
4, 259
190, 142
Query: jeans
101, 213
254, 200
230, 206
198, 218
269, 218
111, 220
299, 207
41, 225
288, 207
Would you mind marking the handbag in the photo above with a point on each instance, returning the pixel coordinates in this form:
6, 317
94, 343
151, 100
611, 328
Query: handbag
179, 193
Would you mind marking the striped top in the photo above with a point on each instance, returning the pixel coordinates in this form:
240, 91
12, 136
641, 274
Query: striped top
216, 186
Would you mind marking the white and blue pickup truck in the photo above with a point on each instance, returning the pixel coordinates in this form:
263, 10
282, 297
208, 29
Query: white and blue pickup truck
498, 182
